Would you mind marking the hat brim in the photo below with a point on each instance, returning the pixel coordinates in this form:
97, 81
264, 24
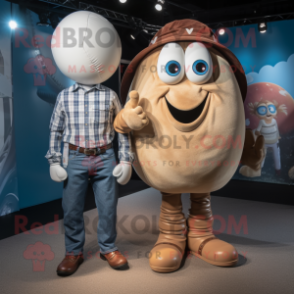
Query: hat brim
228, 55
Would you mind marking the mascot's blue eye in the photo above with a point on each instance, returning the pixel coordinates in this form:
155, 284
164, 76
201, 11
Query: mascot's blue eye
173, 68
200, 67
272, 108
261, 110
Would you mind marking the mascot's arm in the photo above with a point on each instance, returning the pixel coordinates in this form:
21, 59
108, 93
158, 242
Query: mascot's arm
253, 151
120, 125
132, 117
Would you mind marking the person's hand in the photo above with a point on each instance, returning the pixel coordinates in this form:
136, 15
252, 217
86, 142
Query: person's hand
133, 115
57, 172
253, 151
257, 133
123, 172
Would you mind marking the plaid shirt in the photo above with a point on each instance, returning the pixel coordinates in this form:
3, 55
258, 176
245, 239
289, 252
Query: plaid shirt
85, 118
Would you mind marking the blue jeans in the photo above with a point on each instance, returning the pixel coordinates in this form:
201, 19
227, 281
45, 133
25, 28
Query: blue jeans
99, 169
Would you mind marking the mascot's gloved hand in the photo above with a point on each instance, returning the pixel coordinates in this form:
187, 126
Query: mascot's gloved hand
57, 172
123, 172
133, 115
253, 152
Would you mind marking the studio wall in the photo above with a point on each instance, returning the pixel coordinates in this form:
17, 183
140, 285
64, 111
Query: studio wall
37, 81
268, 61
9, 196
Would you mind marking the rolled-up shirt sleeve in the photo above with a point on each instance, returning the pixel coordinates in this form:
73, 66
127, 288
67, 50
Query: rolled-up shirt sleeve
124, 140
56, 126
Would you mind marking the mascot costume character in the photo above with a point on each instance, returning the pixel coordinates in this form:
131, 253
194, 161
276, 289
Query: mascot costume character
87, 49
185, 113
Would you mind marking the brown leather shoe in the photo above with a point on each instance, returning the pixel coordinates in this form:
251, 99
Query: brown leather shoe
69, 264
115, 259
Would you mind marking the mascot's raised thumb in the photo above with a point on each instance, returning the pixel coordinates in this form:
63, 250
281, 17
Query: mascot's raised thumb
133, 114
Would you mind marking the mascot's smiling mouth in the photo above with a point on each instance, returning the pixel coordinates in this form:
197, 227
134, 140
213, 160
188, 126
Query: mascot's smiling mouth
186, 116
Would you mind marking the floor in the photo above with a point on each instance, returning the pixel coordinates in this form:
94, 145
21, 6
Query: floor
263, 235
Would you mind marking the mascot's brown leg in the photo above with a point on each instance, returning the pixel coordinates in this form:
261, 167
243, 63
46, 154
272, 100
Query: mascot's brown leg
201, 241
167, 254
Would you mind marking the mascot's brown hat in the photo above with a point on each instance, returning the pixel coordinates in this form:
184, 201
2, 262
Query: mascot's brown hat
185, 30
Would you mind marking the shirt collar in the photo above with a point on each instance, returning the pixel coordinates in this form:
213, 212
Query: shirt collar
77, 86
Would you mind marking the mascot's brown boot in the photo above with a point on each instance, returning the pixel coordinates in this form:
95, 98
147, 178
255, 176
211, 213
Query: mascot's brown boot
201, 241
167, 254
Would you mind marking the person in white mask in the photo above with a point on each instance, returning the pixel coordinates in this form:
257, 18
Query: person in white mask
83, 120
